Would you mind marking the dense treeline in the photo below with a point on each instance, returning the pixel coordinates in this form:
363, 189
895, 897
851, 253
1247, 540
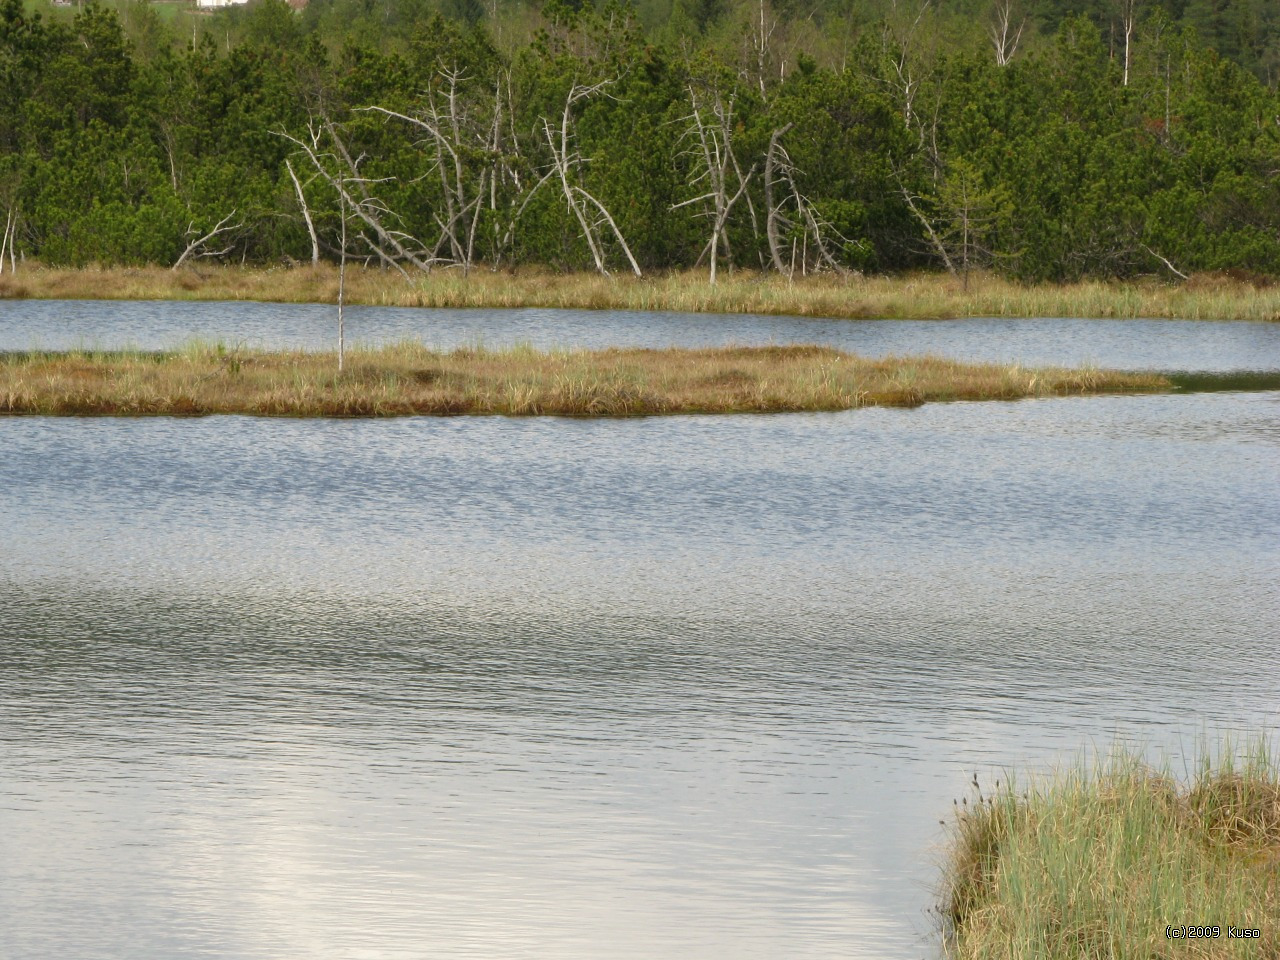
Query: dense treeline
588, 137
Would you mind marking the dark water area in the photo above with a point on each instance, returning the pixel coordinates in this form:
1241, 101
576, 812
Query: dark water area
1190, 345
689, 686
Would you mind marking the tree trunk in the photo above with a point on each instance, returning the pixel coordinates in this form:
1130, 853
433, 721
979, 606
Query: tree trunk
306, 214
771, 209
342, 282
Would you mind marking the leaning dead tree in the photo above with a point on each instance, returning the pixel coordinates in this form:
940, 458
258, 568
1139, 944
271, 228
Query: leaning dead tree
963, 219
456, 135
327, 152
787, 210
566, 165
10, 192
306, 213
710, 133
198, 246
915, 204
473, 153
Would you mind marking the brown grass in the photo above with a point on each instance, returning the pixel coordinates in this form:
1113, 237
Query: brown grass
1207, 297
408, 379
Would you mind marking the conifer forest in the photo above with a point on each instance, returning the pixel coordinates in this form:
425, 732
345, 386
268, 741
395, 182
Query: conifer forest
1043, 140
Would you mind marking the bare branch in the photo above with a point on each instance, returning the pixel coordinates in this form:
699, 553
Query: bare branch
196, 246
366, 207
1172, 269
711, 130
614, 227
934, 239
576, 197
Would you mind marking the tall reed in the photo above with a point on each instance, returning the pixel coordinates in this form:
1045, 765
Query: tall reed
1120, 860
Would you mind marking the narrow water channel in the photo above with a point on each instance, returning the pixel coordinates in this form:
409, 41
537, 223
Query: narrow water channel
1129, 344
694, 686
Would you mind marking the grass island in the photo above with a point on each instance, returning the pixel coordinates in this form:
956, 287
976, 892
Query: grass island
409, 379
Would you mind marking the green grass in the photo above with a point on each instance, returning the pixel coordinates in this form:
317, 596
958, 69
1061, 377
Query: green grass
408, 379
1101, 861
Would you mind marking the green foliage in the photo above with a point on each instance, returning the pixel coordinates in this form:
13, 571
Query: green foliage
124, 134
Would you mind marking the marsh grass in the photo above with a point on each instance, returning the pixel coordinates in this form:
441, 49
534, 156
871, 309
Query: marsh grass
1205, 297
1097, 861
408, 379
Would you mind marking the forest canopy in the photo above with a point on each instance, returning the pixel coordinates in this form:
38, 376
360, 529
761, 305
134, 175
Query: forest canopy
1042, 139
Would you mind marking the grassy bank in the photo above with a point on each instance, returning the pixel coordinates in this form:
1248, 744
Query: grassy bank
409, 379
1113, 862
919, 296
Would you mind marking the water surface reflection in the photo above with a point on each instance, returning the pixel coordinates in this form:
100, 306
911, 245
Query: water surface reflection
496, 688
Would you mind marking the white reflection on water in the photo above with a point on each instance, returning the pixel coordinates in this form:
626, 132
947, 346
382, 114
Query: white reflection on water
695, 687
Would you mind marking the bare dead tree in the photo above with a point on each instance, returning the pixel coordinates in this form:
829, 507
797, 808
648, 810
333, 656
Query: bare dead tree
1128, 22
967, 221
773, 218
354, 190
512, 177
169, 140
10, 194
334, 171
1004, 33
338, 168
710, 132
899, 41
762, 30
566, 163
9, 239
198, 245
456, 132
306, 214
794, 210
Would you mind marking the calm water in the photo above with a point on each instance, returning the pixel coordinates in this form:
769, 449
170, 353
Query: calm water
1132, 344
689, 687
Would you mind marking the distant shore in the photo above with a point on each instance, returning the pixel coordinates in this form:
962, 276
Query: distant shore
916, 296
408, 379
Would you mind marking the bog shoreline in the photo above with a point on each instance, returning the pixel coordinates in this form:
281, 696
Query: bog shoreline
1219, 297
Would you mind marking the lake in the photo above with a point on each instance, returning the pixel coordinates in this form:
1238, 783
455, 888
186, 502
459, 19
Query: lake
688, 686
